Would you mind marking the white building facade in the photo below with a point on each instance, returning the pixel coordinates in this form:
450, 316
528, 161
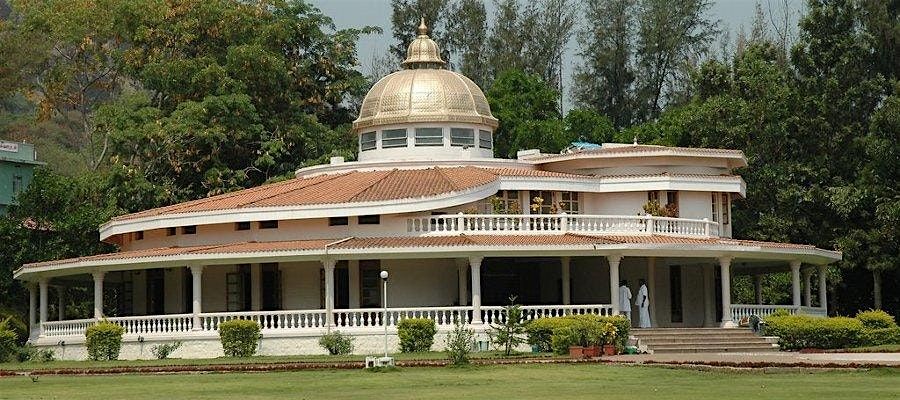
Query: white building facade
458, 230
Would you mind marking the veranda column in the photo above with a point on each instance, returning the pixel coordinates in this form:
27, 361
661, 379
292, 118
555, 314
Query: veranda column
32, 306
795, 282
328, 265
823, 287
462, 267
651, 288
614, 282
98, 294
196, 295
757, 288
61, 302
725, 271
807, 288
42, 286
565, 263
475, 266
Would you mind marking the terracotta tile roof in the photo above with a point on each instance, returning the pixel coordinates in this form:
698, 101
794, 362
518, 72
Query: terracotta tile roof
464, 240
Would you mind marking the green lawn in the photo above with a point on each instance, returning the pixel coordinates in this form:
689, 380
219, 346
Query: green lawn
557, 381
885, 348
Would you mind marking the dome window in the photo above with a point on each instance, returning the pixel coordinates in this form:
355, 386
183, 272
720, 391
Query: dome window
485, 141
367, 141
429, 137
462, 137
393, 138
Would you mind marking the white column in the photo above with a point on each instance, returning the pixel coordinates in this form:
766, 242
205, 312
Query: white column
823, 287
462, 267
651, 288
795, 282
98, 294
807, 288
42, 285
32, 306
256, 287
725, 271
328, 265
475, 266
614, 282
757, 288
709, 296
196, 295
566, 277
61, 302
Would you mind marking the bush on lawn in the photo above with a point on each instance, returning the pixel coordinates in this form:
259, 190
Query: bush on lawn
336, 343
802, 331
416, 334
164, 350
33, 354
239, 337
459, 344
14, 322
8, 343
558, 333
103, 340
876, 319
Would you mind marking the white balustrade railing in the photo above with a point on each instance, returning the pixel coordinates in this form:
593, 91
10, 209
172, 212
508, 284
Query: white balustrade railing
151, 324
437, 225
739, 311
497, 315
293, 320
267, 320
66, 328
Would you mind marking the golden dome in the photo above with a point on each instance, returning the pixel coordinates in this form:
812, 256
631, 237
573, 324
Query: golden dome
424, 92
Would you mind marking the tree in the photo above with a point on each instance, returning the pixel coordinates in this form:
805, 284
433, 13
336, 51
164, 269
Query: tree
509, 334
466, 33
506, 42
604, 80
405, 17
548, 26
587, 125
670, 37
529, 118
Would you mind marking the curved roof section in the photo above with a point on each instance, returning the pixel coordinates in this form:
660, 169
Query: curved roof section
618, 150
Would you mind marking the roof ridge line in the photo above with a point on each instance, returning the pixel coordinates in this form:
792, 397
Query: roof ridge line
373, 183
330, 178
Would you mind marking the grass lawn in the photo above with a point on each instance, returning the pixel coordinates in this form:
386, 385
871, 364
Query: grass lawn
558, 381
886, 348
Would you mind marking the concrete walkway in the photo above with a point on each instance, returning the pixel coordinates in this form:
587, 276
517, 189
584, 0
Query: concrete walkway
775, 359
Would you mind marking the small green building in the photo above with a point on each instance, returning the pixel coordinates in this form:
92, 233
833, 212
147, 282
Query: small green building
17, 163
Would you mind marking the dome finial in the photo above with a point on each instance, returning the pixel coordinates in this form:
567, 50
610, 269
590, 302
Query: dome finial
423, 29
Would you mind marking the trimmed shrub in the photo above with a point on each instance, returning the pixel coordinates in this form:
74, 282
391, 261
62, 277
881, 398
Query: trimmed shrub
558, 333
8, 344
239, 337
416, 334
336, 343
881, 336
876, 319
163, 351
103, 340
801, 331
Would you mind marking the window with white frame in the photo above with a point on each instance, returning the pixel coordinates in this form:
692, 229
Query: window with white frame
393, 138
568, 203
485, 140
508, 202
462, 137
429, 137
541, 202
367, 141
715, 207
726, 207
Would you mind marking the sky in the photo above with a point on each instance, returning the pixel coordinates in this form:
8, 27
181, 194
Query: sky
732, 14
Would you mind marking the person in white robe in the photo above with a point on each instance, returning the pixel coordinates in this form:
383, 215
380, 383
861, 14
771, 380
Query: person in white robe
625, 299
643, 302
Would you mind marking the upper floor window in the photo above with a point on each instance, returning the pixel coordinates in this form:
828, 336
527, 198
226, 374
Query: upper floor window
726, 207
541, 202
369, 219
268, 224
367, 141
507, 202
715, 207
672, 203
462, 137
485, 141
338, 221
17, 186
242, 226
189, 230
568, 203
429, 137
653, 196
393, 138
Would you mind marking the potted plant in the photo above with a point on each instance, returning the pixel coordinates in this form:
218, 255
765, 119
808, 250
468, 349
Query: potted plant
609, 339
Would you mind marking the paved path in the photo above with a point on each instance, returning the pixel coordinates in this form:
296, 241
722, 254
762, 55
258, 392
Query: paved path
782, 358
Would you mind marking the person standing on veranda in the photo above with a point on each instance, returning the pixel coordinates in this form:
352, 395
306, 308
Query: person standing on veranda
643, 303
625, 300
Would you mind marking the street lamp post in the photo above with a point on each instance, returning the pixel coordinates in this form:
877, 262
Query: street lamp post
384, 279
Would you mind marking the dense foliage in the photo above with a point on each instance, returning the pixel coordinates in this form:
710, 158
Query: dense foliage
558, 333
336, 343
416, 334
239, 337
870, 328
103, 341
459, 344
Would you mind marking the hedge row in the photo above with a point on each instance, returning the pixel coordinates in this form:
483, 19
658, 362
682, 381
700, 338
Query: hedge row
541, 331
869, 328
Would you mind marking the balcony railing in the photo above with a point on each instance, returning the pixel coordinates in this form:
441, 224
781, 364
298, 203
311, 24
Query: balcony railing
518, 224
313, 320
739, 311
